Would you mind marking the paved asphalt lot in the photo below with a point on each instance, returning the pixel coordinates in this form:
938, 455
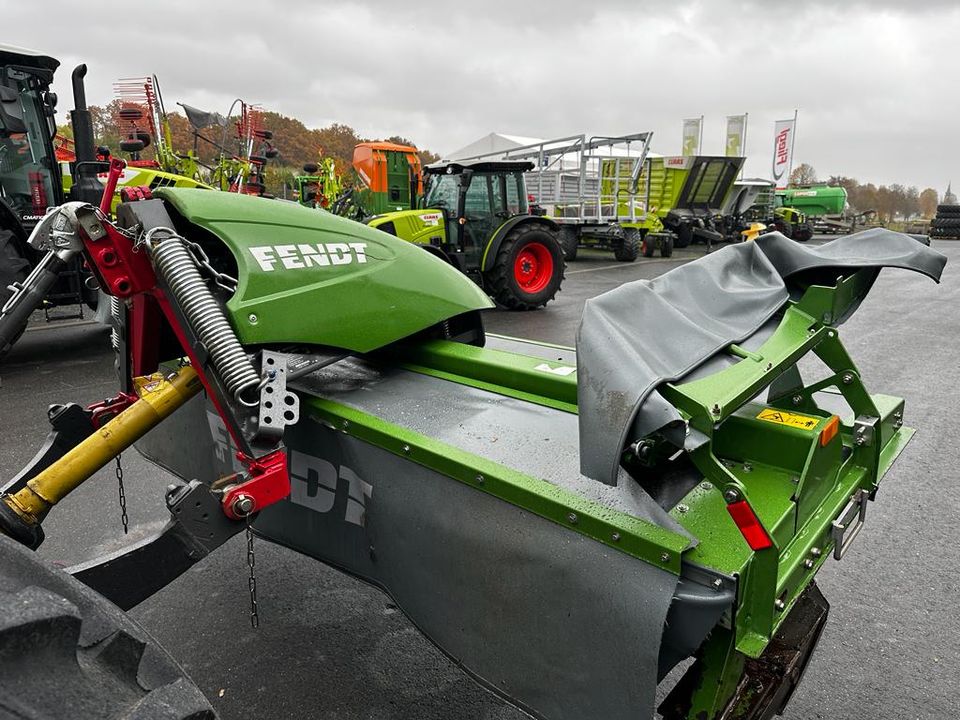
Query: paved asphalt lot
332, 648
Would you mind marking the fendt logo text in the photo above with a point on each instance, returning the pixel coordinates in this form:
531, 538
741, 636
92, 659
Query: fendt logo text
293, 257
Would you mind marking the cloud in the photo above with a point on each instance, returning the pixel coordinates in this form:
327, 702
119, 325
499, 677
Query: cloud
872, 80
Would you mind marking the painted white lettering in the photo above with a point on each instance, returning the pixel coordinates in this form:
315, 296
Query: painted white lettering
339, 253
289, 257
264, 257
361, 251
314, 255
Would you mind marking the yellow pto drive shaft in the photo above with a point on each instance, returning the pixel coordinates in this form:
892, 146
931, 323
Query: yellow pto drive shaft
159, 395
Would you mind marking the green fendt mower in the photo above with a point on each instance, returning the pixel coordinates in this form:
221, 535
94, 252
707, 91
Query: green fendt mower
569, 524
475, 216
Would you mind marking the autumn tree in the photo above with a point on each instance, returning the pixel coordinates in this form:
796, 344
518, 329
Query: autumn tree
803, 174
928, 202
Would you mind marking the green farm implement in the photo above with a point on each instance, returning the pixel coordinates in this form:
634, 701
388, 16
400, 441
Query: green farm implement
569, 524
320, 185
475, 217
609, 192
31, 181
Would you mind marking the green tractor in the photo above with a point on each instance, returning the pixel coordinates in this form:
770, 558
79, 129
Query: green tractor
31, 182
320, 185
570, 525
791, 222
475, 216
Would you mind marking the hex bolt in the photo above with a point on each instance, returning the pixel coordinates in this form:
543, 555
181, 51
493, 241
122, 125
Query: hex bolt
847, 378
797, 399
717, 584
252, 318
665, 557
816, 552
681, 508
572, 517
780, 605
242, 505
747, 467
480, 480
716, 409
731, 495
615, 537
705, 486
406, 449
808, 563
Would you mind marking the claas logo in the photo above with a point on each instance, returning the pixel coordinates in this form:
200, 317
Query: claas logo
295, 257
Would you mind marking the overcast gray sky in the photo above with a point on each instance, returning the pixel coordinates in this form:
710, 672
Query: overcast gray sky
876, 83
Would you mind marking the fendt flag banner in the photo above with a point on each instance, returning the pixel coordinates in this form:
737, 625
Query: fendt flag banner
691, 135
783, 132
736, 135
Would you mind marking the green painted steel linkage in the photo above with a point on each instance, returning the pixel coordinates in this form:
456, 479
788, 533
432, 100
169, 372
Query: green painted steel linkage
798, 521
549, 383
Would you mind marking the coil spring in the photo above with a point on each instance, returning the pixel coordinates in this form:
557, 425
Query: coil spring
114, 323
177, 266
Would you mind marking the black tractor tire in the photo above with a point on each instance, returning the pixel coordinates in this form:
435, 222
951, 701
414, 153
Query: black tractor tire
311, 168
784, 228
948, 210
528, 239
803, 233
946, 222
648, 246
13, 268
131, 145
666, 246
569, 241
684, 236
628, 248
66, 652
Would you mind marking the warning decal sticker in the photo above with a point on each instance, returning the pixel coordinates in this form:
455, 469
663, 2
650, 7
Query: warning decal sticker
782, 417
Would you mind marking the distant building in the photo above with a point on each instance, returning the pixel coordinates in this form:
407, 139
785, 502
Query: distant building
948, 197
492, 143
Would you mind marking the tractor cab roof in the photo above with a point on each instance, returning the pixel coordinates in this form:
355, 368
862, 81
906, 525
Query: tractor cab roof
479, 166
12, 55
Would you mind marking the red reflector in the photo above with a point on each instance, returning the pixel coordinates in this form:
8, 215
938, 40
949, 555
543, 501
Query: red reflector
830, 431
749, 526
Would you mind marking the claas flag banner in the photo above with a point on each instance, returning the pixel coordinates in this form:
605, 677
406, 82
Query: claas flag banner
783, 132
691, 135
736, 135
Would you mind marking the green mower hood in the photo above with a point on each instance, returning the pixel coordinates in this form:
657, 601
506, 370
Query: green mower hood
306, 276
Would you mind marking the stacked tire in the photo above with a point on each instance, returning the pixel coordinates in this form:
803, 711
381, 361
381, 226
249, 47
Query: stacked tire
947, 222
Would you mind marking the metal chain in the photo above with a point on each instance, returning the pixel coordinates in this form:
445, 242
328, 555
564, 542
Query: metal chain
123, 497
252, 582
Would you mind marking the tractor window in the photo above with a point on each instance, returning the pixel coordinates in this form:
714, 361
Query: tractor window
515, 198
27, 163
442, 192
478, 201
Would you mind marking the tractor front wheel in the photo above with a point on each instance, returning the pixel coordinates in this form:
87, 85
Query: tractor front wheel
628, 248
14, 268
66, 652
803, 232
569, 240
528, 269
666, 245
649, 246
